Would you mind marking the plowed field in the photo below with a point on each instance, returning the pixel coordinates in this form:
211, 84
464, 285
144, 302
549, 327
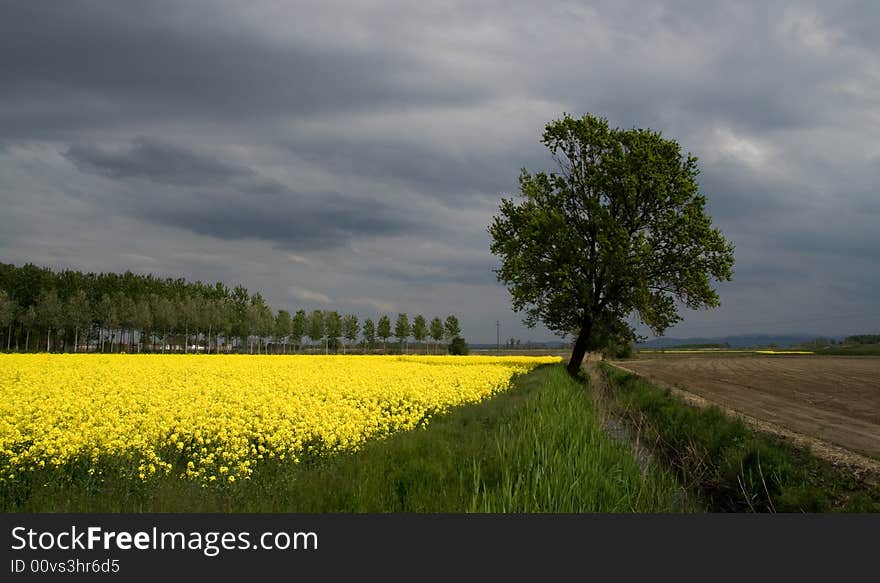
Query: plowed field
833, 399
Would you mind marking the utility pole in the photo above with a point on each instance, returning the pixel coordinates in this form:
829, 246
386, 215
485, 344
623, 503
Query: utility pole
498, 333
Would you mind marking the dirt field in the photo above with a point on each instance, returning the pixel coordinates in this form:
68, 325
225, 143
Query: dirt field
832, 399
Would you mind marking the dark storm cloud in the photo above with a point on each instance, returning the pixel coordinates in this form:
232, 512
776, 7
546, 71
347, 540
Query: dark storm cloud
449, 176
65, 65
287, 220
154, 161
214, 197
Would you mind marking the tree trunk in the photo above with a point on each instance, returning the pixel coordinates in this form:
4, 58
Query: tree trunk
9, 338
580, 349
76, 339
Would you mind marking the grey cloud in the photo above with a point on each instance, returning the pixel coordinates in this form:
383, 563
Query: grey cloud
270, 138
842, 242
736, 194
223, 199
155, 161
292, 221
423, 167
100, 63
434, 272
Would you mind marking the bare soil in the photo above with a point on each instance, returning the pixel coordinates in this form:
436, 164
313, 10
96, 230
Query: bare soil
830, 403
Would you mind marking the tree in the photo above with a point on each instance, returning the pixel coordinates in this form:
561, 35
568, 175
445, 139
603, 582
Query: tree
369, 334
185, 312
8, 310
49, 311
350, 329
228, 322
282, 328
451, 328
298, 327
420, 330
402, 330
108, 318
261, 319
620, 230
162, 310
78, 314
458, 346
27, 318
316, 326
383, 331
436, 330
334, 328
125, 307
240, 311
143, 319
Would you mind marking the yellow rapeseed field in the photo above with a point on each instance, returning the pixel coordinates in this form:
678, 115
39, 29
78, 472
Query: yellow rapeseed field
214, 418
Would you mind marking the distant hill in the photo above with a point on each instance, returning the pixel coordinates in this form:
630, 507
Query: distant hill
741, 341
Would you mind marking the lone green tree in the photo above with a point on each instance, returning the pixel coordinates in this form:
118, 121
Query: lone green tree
619, 230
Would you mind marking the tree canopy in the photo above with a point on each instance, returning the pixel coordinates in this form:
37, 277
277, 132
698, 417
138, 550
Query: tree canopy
383, 329
620, 229
451, 327
68, 310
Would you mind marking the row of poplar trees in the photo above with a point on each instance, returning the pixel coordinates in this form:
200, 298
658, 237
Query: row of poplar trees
71, 311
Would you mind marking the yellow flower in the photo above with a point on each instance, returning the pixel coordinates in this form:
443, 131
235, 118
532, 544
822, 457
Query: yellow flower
149, 411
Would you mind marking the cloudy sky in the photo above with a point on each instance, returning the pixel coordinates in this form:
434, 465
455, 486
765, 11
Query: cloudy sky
350, 156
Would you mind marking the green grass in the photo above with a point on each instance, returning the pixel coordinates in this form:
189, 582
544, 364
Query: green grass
851, 350
730, 466
535, 448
